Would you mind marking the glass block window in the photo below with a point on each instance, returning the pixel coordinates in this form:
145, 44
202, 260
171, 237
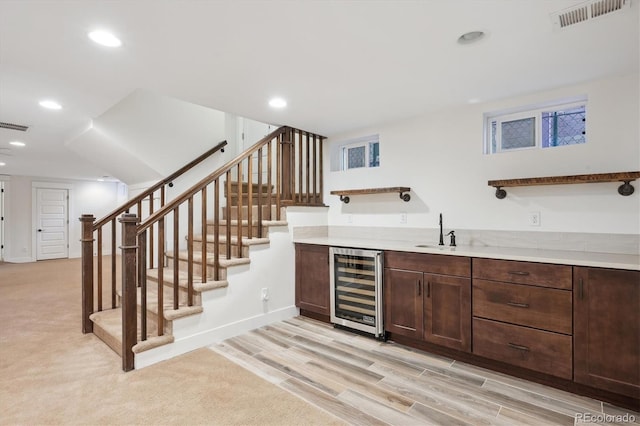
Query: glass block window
356, 157
518, 133
547, 126
359, 153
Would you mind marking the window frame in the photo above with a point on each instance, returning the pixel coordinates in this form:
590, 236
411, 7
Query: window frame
357, 143
345, 155
533, 112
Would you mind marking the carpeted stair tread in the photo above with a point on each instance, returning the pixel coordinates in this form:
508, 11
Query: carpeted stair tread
224, 262
234, 222
234, 240
152, 342
108, 327
168, 312
183, 279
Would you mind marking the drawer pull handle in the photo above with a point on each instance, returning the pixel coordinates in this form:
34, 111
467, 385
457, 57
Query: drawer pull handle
521, 273
418, 286
518, 347
518, 305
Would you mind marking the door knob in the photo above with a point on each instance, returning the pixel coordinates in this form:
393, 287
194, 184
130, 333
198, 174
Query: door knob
39, 230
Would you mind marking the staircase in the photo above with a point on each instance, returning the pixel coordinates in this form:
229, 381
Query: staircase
177, 263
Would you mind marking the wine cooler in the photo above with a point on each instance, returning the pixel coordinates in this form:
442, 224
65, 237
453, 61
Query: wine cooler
356, 289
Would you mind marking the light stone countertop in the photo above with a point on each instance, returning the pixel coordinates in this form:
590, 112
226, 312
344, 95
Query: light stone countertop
562, 257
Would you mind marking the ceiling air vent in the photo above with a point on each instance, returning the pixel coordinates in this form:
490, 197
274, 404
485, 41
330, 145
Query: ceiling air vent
12, 126
585, 11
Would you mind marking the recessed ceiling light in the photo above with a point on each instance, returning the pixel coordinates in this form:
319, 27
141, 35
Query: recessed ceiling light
473, 100
470, 37
17, 143
277, 103
49, 104
105, 38
2, 164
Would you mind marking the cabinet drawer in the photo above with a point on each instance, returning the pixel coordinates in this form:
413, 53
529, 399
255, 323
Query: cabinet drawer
540, 274
544, 308
431, 263
537, 350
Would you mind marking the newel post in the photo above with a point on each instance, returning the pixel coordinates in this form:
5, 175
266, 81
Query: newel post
129, 289
87, 271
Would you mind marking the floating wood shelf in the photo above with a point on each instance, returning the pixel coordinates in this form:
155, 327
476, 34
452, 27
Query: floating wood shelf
345, 193
625, 189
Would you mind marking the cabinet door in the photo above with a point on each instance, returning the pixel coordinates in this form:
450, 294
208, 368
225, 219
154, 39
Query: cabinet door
448, 311
403, 302
312, 278
607, 329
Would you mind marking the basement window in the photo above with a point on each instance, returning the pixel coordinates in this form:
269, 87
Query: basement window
543, 126
356, 154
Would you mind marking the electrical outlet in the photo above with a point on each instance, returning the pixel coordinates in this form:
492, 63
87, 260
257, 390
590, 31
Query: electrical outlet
534, 218
264, 293
403, 218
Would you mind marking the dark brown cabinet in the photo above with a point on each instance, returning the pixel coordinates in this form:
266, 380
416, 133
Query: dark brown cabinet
448, 311
428, 297
607, 329
522, 314
312, 278
403, 309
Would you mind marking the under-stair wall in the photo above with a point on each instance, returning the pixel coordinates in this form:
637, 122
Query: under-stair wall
238, 308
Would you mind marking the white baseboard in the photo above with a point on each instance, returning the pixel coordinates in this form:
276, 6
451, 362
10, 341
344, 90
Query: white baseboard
212, 336
25, 259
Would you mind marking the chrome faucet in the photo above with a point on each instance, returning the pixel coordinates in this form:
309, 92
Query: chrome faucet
441, 243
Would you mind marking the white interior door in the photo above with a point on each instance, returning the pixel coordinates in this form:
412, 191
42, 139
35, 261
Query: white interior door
52, 239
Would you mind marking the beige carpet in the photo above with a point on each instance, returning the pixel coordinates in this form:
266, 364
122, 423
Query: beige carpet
51, 373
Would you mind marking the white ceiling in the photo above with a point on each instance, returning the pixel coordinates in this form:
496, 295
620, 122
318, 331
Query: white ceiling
341, 65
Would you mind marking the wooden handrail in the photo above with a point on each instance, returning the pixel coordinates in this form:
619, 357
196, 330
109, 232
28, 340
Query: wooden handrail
173, 176
163, 211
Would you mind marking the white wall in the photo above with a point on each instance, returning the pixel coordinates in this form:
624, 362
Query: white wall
440, 157
97, 198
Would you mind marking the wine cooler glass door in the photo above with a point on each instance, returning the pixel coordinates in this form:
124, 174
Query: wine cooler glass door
356, 289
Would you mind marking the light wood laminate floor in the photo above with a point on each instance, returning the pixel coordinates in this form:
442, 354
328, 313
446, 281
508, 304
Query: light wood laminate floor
366, 382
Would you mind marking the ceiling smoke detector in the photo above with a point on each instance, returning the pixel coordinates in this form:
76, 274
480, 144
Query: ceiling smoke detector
586, 11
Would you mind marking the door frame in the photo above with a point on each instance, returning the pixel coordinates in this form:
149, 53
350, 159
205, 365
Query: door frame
34, 213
